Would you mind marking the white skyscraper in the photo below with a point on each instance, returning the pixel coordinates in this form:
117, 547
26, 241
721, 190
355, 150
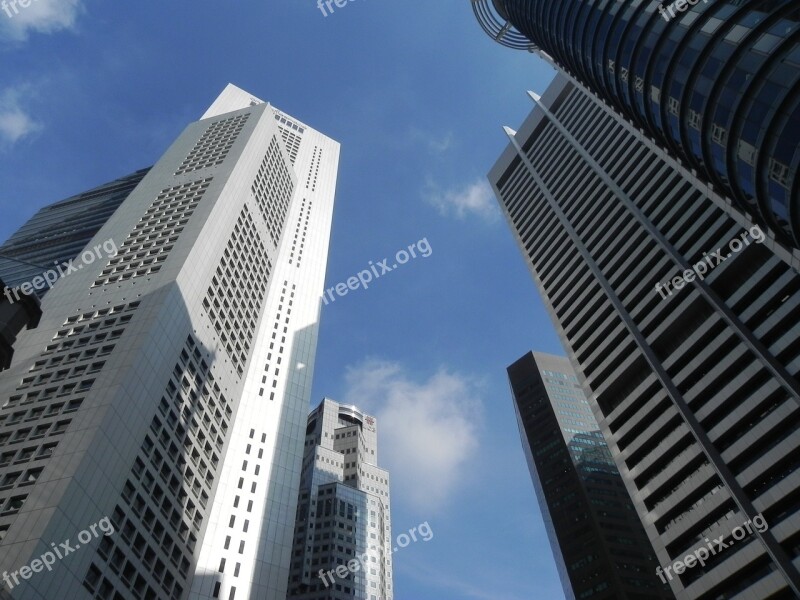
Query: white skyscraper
166, 387
342, 544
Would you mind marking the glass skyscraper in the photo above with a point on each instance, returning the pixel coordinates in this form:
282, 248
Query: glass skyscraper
600, 547
715, 82
60, 231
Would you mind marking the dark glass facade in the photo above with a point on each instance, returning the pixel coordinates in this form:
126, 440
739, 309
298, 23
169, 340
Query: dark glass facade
717, 84
60, 231
601, 550
14, 317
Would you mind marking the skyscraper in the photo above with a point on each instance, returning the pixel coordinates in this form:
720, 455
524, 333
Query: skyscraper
342, 544
716, 83
59, 232
600, 547
684, 328
164, 390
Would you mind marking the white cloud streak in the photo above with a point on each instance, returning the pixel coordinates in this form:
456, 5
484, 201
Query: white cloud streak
17, 22
428, 431
435, 145
15, 120
476, 198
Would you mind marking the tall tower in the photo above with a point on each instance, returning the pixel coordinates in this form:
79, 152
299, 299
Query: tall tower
342, 544
684, 329
165, 387
715, 82
600, 547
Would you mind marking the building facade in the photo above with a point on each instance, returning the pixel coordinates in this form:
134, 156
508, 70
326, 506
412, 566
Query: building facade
164, 390
716, 83
59, 232
683, 325
600, 547
343, 515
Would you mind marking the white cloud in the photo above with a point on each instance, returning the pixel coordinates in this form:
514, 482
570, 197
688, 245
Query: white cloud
476, 198
427, 432
42, 16
440, 145
15, 122
434, 144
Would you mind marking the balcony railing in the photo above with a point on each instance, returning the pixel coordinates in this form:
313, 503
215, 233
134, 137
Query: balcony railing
499, 28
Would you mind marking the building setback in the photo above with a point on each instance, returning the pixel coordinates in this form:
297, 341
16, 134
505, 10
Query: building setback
694, 387
343, 515
165, 387
716, 83
600, 547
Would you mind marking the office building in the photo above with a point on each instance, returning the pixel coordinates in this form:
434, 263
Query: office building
343, 516
684, 329
165, 388
716, 83
600, 547
59, 232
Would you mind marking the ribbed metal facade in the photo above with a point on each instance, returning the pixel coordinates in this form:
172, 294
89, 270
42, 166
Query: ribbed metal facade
599, 545
696, 390
60, 231
718, 84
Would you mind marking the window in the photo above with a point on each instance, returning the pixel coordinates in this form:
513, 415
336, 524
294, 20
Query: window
673, 105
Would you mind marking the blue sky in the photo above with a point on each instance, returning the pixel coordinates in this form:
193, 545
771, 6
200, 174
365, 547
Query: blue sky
416, 94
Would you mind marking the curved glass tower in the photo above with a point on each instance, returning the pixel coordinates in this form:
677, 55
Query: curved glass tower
716, 82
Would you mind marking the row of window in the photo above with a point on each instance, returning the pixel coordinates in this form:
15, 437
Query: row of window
272, 190
213, 146
234, 298
168, 488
